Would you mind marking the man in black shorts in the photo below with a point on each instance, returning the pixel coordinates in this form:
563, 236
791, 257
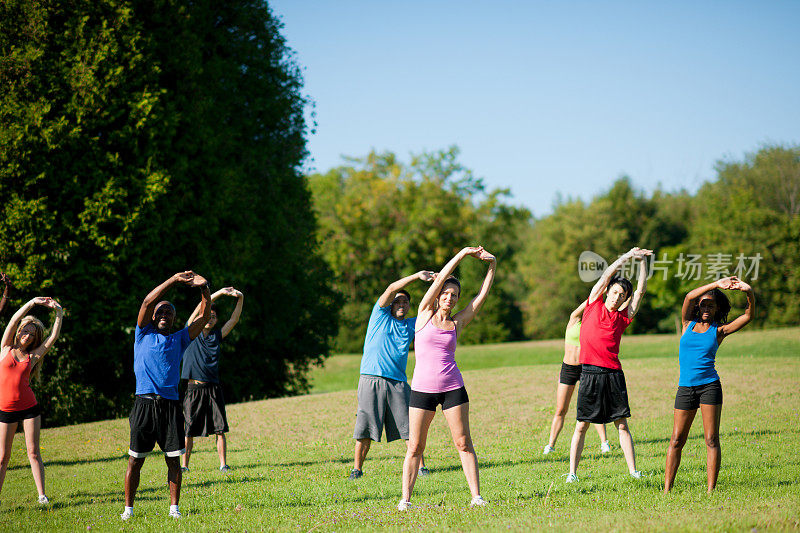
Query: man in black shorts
156, 416
204, 403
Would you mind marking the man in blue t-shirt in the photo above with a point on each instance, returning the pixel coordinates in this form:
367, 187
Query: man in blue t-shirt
156, 416
383, 392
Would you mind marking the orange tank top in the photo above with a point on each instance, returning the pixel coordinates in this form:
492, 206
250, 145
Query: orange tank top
15, 389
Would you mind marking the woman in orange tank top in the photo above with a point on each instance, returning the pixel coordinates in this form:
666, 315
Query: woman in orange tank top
21, 351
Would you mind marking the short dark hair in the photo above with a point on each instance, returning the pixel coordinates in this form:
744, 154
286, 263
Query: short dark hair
214, 308
454, 281
625, 283
404, 293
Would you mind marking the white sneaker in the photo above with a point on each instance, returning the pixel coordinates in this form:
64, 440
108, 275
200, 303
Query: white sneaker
571, 478
175, 514
403, 505
605, 447
548, 449
477, 501
126, 514
43, 500
636, 474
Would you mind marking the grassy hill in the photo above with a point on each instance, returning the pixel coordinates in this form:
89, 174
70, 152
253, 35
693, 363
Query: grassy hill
291, 456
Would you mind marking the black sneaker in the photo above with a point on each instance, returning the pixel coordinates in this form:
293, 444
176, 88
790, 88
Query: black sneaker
355, 474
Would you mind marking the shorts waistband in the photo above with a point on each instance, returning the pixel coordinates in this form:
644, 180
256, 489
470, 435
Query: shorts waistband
154, 397
592, 369
206, 385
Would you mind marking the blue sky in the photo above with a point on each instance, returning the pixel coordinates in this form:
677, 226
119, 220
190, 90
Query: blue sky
550, 98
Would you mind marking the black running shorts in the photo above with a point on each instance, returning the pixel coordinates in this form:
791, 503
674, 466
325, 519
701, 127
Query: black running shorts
204, 410
690, 398
570, 374
429, 400
602, 395
154, 420
10, 417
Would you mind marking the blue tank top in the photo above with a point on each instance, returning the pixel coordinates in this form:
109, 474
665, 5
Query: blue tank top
696, 356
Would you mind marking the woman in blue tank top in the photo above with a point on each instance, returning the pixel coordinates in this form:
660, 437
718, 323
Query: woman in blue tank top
705, 325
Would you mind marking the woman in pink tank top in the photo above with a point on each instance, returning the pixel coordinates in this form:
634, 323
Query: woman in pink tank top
21, 351
437, 379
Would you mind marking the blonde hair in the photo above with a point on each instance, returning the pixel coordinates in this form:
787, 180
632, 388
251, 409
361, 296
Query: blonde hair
38, 338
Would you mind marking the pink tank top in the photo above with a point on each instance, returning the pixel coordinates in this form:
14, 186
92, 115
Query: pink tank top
435, 369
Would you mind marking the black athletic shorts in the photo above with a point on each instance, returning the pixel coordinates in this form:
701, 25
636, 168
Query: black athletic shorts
429, 400
690, 398
156, 420
10, 417
204, 410
602, 395
570, 374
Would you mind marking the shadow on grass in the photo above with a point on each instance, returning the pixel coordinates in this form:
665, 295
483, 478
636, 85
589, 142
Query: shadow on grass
73, 462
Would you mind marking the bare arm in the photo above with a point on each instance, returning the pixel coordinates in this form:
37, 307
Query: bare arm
426, 305
641, 288
197, 310
465, 316
197, 325
237, 311
740, 321
391, 291
43, 348
576, 315
6, 283
11, 328
149, 303
691, 297
602, 284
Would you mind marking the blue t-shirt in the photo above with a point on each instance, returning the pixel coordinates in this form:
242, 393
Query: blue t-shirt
157, 360
696, 356
201, 358
386, 344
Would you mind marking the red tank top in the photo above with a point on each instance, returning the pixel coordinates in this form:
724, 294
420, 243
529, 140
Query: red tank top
15, 389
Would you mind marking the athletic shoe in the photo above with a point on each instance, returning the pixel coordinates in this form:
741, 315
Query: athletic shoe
605, 447
477, 501
355, 474
424, 471
548, 449
571, 478
185, 469
175, 514
126, 514
43, 500
404, 505
636, 474
224, 469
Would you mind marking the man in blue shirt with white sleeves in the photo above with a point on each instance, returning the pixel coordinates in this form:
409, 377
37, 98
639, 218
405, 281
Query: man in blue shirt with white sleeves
157, 416
383, 391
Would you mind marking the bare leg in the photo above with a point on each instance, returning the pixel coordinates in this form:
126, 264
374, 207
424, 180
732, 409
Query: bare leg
576, 447
563, 396
421, 458
680, 432
458, 420
626, 443
601, 432
6, 440
132, 479
189, 446
222, 449
32, 426
174, 476
419, 421
711, 419
362, 447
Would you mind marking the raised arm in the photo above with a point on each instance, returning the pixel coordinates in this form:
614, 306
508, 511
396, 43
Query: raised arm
691, 297
428, 301
602, 284
6, 285
11, 328
237, 311
740, 321
391, 291
43, 348
575, 316
149, 303
465, 316
197, 325
641, 285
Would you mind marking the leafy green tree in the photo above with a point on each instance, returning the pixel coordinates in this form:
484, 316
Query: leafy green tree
142, 138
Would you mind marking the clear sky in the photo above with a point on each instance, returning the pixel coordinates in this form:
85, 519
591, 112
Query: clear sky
551, 97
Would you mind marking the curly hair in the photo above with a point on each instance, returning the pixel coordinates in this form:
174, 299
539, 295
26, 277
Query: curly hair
723, 307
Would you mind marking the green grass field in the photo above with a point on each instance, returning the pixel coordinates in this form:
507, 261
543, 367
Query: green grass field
291, 456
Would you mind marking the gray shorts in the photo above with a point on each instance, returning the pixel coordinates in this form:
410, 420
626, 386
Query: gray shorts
382, 402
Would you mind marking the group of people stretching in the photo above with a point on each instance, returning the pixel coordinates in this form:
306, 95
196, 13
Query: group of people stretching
592, 342
161, 358
385, 400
